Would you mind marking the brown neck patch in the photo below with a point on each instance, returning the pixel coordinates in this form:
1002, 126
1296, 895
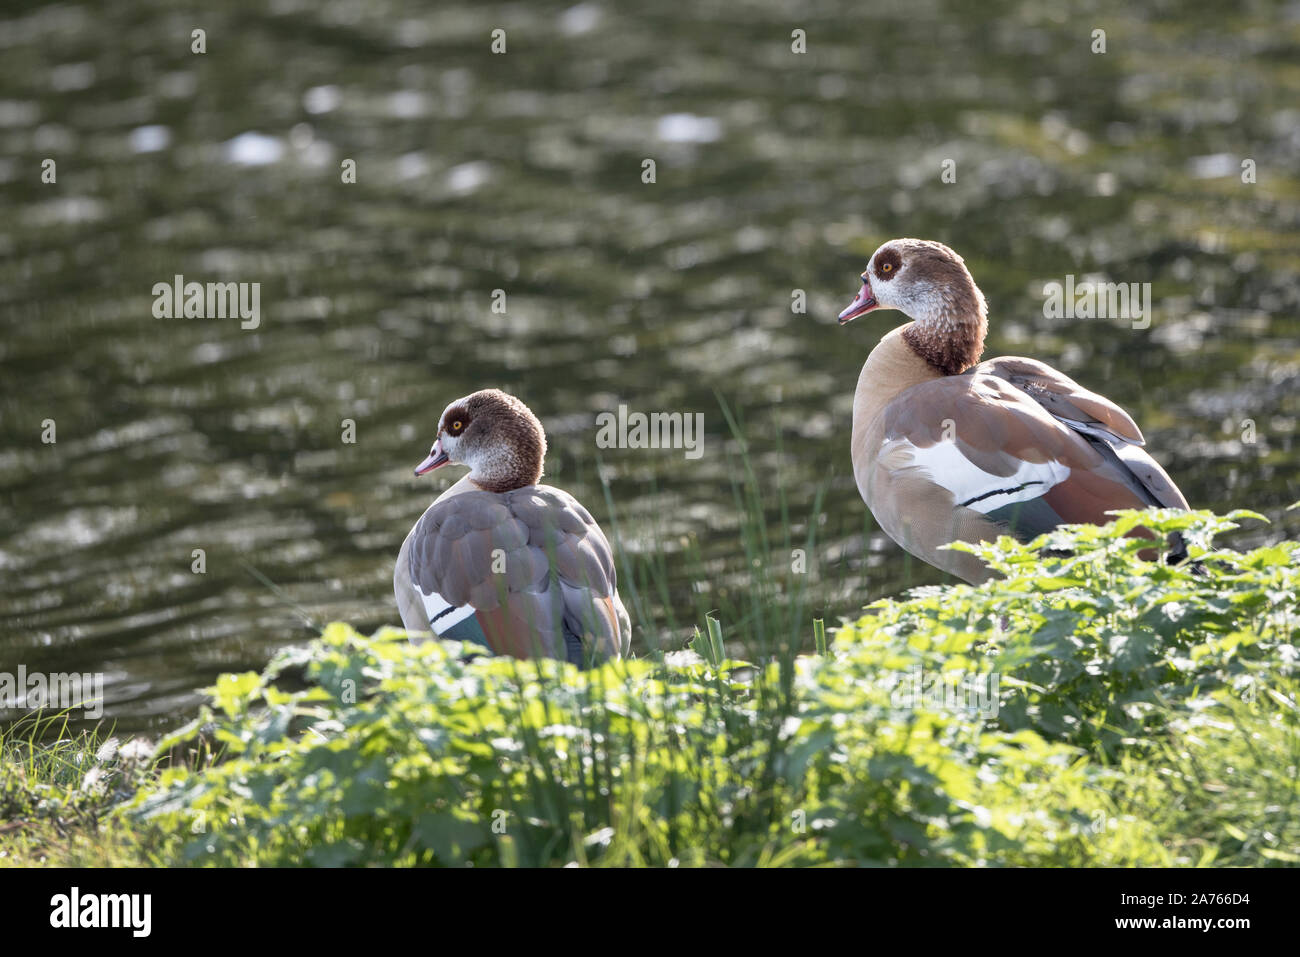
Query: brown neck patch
502, 484
951, 350
516, 436
949, 309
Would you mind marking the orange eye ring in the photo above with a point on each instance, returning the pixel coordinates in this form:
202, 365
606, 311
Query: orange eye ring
886, 267
457, 426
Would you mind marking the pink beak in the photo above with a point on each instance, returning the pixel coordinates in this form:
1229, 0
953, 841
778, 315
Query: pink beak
864, 303
437, 458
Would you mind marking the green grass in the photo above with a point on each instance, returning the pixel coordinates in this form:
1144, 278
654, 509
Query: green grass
60, 794
1142, 715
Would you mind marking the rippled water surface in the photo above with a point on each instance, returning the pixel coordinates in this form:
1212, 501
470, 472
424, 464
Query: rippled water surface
775, 172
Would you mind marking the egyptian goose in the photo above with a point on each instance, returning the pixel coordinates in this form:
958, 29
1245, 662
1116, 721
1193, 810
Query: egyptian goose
945, 449
500, 560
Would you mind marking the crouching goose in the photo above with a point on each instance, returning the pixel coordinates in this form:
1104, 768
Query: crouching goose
945, 449
500, 560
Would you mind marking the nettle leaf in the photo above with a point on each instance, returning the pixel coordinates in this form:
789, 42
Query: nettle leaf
794, 762
1132, 652
1269, 557
234, 694
344, 853
452, 837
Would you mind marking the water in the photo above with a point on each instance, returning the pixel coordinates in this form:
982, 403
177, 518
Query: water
775, 172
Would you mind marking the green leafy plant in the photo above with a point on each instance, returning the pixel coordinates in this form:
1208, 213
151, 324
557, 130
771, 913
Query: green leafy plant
1125, 690
1086, 707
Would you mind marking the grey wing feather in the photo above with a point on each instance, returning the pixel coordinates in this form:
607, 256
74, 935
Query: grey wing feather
1066, 400
1108, 427
583, 564
1153, 478
532, 563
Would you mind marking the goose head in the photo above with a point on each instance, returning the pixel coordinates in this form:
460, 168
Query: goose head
930, 284
924, 280
494, 434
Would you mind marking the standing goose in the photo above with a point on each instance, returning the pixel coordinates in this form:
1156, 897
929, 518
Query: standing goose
946, 450
500, 560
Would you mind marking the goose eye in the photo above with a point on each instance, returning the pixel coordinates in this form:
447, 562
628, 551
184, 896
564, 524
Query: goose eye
456, 426
886, 267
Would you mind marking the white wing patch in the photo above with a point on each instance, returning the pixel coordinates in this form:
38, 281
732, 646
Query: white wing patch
945, 466
441, 613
